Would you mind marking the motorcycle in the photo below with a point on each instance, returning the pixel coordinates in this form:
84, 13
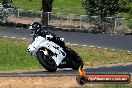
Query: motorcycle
52, 56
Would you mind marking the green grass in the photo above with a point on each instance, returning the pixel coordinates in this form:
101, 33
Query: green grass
14, 56
27, 4
94, 56
68, 6
64, 6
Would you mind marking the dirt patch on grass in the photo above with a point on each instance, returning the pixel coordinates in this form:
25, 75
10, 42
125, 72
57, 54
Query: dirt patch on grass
52, 82
38, 82
23, 20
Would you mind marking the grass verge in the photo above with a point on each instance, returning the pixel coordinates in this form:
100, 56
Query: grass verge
57, 82
64, 6
96, 56
14, 56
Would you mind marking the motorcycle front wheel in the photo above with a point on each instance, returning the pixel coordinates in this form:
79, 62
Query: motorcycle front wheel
46, 61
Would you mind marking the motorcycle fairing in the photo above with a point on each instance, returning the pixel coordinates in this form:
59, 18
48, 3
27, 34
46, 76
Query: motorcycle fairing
40, 42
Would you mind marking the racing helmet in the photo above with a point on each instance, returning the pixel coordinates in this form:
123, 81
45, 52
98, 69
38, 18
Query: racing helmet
35, 27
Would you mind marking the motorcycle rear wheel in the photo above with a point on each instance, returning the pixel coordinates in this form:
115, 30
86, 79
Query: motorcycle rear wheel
76, 60
77, 64
46, 61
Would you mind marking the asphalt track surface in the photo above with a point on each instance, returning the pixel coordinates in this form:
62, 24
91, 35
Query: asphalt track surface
121, 42
119, 69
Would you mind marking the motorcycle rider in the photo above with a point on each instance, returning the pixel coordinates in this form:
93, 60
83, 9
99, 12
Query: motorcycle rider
37, 30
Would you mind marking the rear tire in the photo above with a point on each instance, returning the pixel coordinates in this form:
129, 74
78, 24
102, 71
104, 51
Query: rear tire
76, 60
46, 61
77, 64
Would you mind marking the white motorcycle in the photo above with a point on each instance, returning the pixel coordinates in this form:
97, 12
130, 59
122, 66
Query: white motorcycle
52, 56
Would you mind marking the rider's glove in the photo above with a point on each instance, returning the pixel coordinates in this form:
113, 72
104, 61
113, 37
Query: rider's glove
49, 37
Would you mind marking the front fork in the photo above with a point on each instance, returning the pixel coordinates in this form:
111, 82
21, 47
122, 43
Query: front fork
45, 51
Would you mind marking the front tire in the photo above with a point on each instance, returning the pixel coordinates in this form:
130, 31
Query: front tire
46, 61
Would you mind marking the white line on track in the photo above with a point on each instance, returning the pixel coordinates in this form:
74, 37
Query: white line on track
105, 48
13, 37
74, 44
113, 49
70, 44
24, 38
99, 47
91, 46
84, 45
4, 36
128, 51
